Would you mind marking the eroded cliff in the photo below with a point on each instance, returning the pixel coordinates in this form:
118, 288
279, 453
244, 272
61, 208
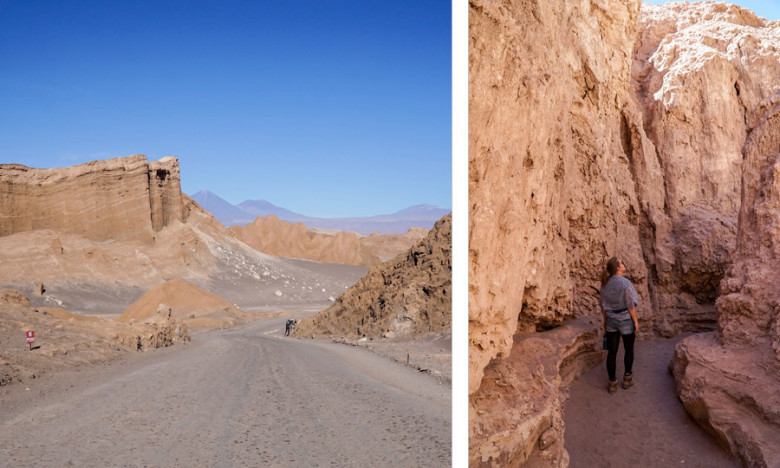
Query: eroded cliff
100, 200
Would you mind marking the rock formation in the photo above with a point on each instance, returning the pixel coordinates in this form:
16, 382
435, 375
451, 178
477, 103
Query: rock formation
599, 130
282, 239
402, 298
101, 200
728, 380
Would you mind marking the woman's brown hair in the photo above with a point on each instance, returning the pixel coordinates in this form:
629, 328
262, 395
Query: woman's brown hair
609, 272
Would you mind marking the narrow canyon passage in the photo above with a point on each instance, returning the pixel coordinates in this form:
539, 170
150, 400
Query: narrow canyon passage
645, 425
243, 397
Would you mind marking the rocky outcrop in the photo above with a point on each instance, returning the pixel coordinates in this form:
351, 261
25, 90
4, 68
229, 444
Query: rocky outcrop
403, 298
101, 200
388, 246
519, 403
599, 130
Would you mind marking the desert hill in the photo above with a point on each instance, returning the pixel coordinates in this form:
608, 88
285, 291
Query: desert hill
188, 303
423, 216
600, 129
282, 239
407, 297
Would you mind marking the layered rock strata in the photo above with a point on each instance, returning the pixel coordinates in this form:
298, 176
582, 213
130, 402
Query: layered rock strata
101, 200
402, 298
597, 130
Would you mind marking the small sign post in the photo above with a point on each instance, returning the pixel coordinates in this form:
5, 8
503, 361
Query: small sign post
30, 338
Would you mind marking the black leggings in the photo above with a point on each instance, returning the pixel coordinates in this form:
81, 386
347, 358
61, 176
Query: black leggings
613, 342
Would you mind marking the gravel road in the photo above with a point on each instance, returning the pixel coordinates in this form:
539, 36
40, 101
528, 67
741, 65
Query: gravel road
243, 397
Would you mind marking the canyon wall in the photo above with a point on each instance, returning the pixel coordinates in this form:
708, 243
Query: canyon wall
597, 129
728, 380
101, 200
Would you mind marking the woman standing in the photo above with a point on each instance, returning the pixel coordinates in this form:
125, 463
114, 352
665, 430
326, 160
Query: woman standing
618, 309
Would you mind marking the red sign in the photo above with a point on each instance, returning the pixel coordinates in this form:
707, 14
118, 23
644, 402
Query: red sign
31, 337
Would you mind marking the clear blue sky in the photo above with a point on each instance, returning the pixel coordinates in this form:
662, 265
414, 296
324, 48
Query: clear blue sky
769, 9
328, 108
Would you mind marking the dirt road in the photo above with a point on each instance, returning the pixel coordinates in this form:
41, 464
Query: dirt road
243, 397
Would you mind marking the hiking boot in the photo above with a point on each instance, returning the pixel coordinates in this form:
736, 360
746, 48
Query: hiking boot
628, 380
612, 386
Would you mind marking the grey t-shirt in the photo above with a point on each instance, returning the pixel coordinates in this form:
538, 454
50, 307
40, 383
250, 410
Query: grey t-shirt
618, 294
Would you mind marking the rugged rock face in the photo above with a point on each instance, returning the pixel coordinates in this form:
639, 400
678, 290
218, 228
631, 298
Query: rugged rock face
599, 130
701, 71
101, 200
728, 381
407, 297
551, 190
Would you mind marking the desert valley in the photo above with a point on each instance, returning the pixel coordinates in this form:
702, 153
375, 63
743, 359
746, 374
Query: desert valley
160, 333
652, 134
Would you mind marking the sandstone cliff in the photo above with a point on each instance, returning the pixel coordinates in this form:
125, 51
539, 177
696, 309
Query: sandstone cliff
402, 298
101, 200
598, 130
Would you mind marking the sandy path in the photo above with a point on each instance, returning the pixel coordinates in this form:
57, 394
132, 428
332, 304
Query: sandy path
244, 397
645, 425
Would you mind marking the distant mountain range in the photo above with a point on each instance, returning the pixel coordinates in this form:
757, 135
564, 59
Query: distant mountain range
245, 212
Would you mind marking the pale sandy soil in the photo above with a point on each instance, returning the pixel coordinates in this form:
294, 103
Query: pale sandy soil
645, 425
241, 397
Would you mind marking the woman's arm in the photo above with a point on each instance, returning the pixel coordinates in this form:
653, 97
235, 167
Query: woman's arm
633, 316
